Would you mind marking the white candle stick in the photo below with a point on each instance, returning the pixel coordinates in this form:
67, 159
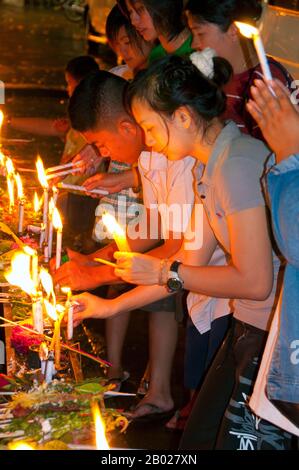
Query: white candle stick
45, 212
21, 216
70, 310
58, 226
74, 187
62, 167
52, 205
251, 32
43, 181
63, 173
37, 314
34, 229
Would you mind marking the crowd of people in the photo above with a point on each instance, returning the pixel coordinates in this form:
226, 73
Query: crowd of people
204, 175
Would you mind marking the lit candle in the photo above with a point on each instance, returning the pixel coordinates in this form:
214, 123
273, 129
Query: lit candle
10, 189
58, 226
117, 231
37, 313
20, 275
251, 32
44, 183
52, 205
21, 202
69, 309
34, 264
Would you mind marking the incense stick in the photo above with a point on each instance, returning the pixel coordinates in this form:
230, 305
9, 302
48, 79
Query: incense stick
62, 167
104, 261
63, 173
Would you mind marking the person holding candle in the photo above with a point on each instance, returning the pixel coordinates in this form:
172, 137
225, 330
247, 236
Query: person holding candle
180, 112
213, 25
162, 184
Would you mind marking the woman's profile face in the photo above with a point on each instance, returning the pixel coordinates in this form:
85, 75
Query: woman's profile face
141, 20
163, 135
208, 35
134, 57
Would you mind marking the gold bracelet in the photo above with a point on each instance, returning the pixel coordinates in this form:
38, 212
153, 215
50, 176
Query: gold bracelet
163, 274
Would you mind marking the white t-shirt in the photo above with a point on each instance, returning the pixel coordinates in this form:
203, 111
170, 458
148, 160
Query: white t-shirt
169, 188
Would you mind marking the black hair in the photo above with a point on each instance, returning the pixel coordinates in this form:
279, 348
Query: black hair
116, 20
175, 81
81, 66
97, 102
167, 15
223, 13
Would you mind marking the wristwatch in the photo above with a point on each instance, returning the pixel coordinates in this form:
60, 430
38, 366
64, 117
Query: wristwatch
174, 282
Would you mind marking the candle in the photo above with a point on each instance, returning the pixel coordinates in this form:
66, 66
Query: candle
69, 310
50, 367
63, 173
58, 226
52, 205
34, 264
251, 32
36, 205
21, 202
74, 187
37, 313
62, 167
10, 188
117, 231
44, 183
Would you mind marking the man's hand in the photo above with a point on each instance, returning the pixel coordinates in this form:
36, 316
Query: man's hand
76, 272
111, 182
90, 306
276, 116
89, 160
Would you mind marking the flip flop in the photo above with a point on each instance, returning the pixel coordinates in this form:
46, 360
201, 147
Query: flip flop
155, 413
118, 381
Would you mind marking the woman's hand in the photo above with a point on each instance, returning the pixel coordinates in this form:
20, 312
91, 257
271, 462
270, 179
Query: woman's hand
89, 306
137, 269
276, 116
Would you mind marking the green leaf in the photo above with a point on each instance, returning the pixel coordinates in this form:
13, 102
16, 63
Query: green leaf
89, 388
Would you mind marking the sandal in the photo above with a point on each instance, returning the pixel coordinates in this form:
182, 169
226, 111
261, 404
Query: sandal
151, 412
143, 387
118, 381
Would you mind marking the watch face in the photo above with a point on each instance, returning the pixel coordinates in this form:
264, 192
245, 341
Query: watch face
174, 284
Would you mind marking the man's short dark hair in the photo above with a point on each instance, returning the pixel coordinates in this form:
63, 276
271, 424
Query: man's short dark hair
97, 102
81, 66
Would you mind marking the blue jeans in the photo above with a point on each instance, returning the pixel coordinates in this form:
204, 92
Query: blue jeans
283, 188
201, 348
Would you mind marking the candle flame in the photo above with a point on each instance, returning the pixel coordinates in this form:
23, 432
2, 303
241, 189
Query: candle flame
9, 166
41, 173
60, 309
51, 206
1, 118
19, 273
101, 441
36, 203
19, 186
47, 282
51, 310
247, 30
116, 230
57, 224
19, 446
29, 251
10, 189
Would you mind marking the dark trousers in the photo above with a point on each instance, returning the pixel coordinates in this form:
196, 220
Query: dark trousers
221, 418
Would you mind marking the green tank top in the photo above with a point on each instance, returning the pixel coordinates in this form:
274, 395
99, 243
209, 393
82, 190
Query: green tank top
158, 51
